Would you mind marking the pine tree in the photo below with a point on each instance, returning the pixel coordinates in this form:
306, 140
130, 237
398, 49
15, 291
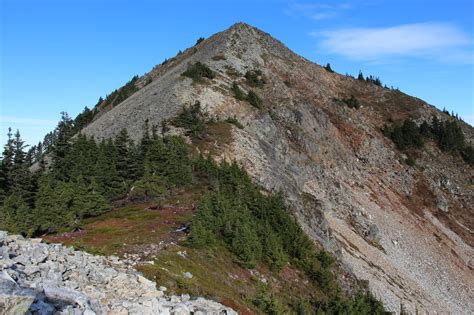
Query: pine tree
7, 163
110, 184
60, 147
360, 77
20, 174
87, 200
53, 203
328, 68
122, 142
16, 216
81, 157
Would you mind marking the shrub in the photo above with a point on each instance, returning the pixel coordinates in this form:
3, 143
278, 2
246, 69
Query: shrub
199, 71
150, 187
468, 154
254, 99
199, 40
254, 78
406, 135
234, 121
328, 68
192, 119
120, 95
410, 161
352, 102
238, 93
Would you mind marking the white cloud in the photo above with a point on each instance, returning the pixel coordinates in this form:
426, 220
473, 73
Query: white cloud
5, 120
420, 39
319, 11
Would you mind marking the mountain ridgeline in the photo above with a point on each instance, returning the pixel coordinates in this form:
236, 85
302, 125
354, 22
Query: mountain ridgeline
292, 171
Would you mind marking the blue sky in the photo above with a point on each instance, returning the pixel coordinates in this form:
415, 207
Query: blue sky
61, 55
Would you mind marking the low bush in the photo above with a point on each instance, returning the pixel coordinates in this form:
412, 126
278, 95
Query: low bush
352, 102
254, 78
254, 99
198, 71
234, 121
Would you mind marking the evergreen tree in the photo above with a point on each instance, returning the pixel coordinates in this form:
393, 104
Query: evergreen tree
20, 174
122, 145
328, 68
110, 184
53, 203
7, 163
87, 201
81, 157
60, 147
16, 216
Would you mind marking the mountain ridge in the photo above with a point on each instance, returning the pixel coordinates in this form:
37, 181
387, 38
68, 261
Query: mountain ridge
387, 222
287, 146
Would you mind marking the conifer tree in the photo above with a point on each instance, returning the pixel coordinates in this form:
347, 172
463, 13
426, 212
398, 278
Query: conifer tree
61, 146
7, 162
16, 216
122, 145
110, 184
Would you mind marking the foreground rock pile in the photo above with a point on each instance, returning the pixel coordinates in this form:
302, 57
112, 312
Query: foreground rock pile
39, 278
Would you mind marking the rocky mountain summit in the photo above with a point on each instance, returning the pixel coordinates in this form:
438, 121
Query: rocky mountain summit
39, 278
407, 230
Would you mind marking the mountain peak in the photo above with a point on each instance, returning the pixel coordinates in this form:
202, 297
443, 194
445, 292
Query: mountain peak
316, 136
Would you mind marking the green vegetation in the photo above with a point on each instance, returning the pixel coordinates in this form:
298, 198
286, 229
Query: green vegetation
254, 99
352, 102
251, 96
254, 78
234, 121
255, 227
198, 71
199, 40
193, 120
120, 95
84, 177
405, 135
238, 93
447, 134
235, 224
328, 68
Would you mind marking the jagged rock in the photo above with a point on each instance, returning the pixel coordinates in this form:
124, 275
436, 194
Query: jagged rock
40, 307
65, 295
73, 282
14, 299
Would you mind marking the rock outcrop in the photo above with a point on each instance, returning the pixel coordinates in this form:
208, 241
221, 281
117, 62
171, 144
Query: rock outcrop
39, 278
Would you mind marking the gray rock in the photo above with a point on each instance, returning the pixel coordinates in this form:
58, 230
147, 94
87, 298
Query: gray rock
13, 298
40, 307
442, 203
65, 295
180, 309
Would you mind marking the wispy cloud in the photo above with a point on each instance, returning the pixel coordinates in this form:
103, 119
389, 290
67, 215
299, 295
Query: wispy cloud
5, 121
318, 11
434, 40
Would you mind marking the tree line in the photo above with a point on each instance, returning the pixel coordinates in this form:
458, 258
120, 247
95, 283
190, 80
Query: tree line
447, 134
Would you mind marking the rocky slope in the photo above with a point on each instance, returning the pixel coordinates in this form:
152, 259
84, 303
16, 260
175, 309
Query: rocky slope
406, 230
38, 278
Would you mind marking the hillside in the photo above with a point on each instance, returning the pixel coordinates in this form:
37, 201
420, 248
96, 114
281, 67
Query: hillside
399, 220
346, 182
